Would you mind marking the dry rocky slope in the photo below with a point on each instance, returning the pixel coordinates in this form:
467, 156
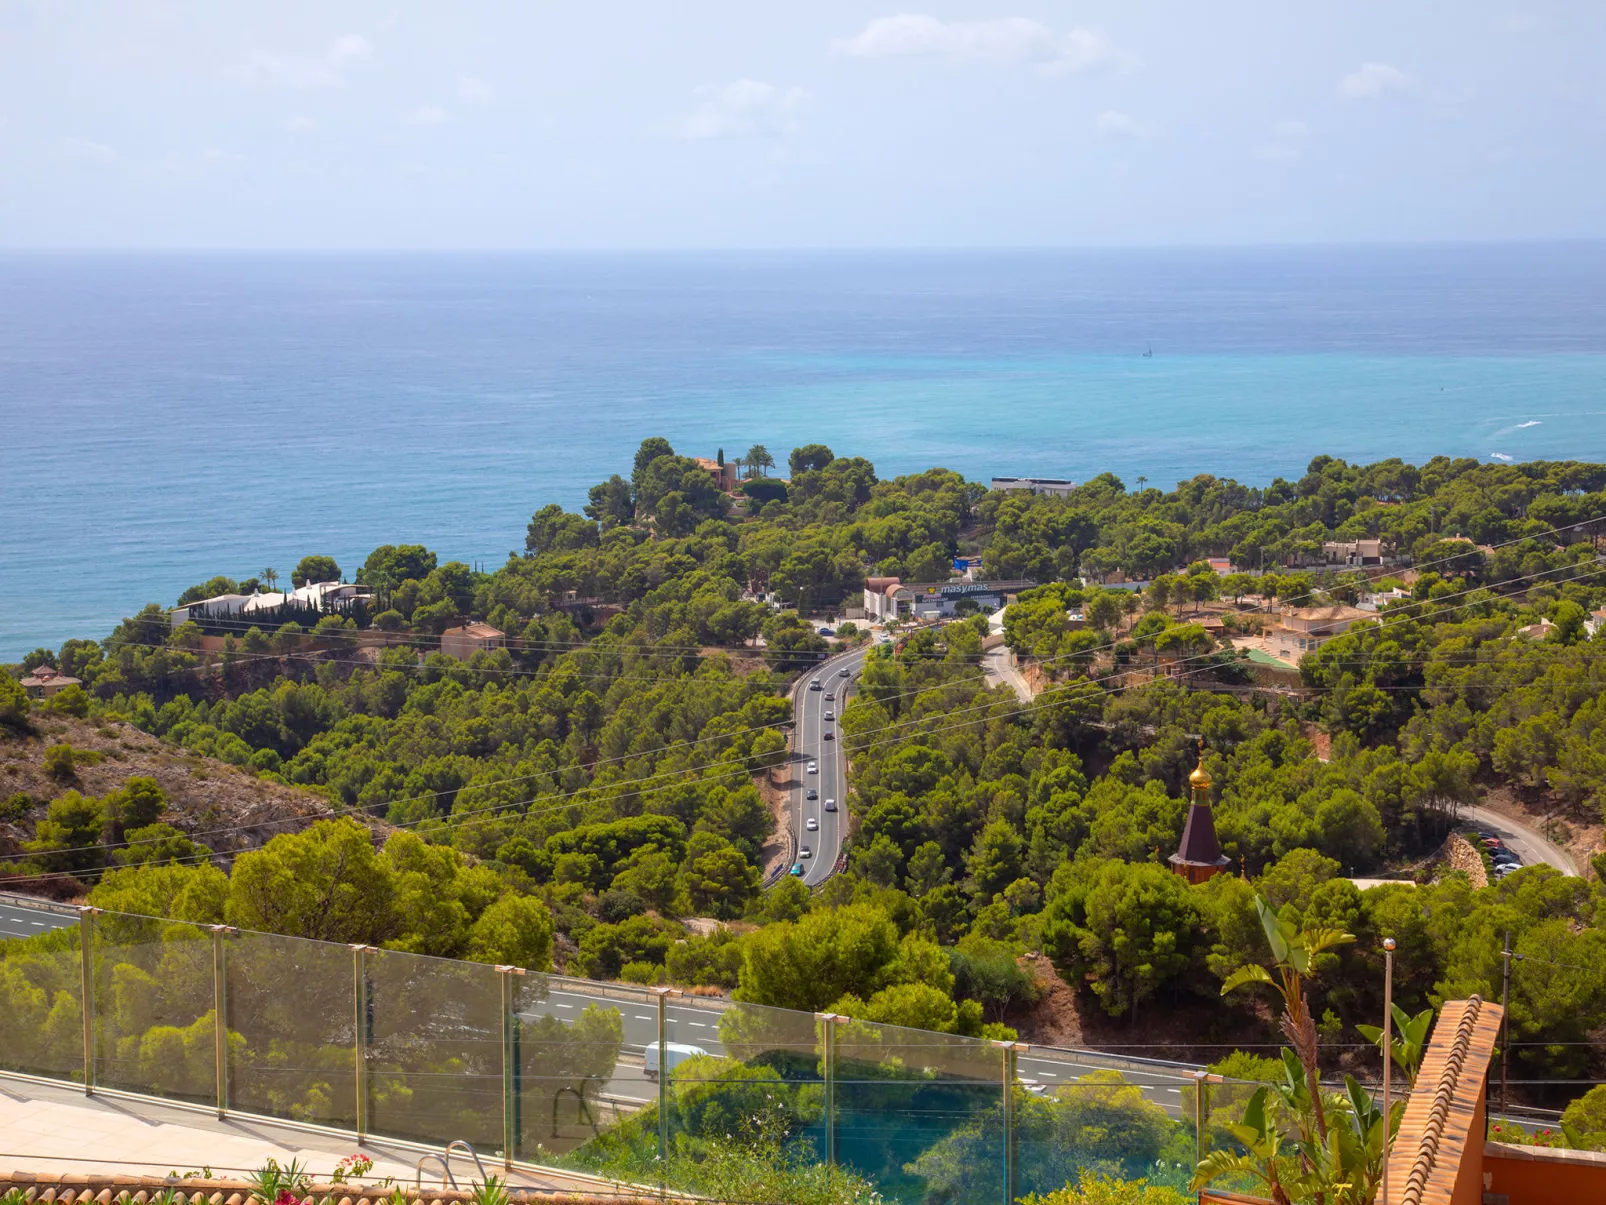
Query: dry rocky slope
222, 806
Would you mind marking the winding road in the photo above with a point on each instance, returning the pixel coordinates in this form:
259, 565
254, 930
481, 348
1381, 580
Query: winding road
810, 707
1527, 843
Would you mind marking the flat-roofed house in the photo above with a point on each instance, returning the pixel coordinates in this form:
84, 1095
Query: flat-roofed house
1057, 486
216, 607
463, 642
1304, 629
1353, 552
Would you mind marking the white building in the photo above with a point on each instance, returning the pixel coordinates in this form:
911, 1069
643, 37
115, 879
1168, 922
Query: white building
216, 607
1056, 486
316, 596
888, 598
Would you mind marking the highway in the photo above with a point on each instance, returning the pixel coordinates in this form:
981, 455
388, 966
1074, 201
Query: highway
809, 708
30, 920
694, 1021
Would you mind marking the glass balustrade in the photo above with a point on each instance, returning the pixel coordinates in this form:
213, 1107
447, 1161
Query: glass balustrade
648, 1086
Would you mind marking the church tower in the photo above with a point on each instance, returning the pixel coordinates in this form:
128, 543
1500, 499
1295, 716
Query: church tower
1199, 856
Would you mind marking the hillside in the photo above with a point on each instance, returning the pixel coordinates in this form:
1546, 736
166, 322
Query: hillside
224, 807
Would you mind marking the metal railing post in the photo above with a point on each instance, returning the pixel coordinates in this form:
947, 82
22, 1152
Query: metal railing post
1011, 1054
663, 994
828, 1058
1201, 1110
86, 962
220, 1016
510, 1070
359, 1039
1388, 1054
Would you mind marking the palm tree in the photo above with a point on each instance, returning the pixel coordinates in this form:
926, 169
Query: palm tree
758, 459
270, 576
1293, 953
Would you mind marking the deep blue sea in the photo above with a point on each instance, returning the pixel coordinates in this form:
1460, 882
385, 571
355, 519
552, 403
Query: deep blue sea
167, 417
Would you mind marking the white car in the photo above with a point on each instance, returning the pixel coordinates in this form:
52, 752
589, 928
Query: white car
814, 767
830, 715
677, 1052
805, 852
830, 805
812, 825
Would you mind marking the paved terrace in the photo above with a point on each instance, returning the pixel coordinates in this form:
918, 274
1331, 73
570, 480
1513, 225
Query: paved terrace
46, 1128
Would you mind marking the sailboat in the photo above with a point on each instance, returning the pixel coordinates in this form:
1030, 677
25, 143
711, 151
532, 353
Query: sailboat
1149, 354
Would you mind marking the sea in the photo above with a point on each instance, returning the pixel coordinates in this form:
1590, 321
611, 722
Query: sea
168, 417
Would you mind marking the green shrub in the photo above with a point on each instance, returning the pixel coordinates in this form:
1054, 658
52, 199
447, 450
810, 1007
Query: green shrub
59, 762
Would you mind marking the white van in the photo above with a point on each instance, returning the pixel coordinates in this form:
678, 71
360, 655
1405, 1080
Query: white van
678, 1053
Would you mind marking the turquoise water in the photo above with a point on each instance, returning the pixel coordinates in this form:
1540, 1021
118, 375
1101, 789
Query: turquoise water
170, 417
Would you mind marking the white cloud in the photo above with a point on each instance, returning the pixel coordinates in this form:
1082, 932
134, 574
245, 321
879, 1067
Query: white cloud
427, 115
1003, 40
300, 123
86, 150
744, 107
1111, 124
325, 70
1372, 80
473, 91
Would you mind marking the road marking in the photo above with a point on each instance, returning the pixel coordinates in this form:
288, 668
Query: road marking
639, 1017
1050, 1074
1178, 1091
38, 923
565, 1006
696, 1024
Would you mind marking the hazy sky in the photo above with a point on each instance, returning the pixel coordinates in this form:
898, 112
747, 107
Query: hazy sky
320, 124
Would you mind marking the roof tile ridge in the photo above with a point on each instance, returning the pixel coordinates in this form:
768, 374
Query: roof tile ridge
1439, 1110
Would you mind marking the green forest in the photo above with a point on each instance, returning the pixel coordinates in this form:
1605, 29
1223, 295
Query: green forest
568, 801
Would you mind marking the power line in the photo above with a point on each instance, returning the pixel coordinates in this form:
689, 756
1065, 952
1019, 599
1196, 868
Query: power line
1034, 705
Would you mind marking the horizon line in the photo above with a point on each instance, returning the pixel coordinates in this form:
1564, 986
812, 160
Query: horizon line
812, 249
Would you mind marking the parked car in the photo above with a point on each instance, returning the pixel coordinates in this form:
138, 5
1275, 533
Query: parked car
674, 1053
827, 632
812, 825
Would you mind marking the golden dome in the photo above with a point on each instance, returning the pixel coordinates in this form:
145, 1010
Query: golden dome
1199, 780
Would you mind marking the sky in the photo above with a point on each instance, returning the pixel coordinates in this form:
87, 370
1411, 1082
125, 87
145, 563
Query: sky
322, 124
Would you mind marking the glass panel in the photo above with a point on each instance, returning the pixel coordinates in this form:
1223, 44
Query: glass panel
582, 1095
1077, 1112
434, 1049
1225, 1100
41, 1012
290, 1012
921, 1114
748, 1098
154, 1030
